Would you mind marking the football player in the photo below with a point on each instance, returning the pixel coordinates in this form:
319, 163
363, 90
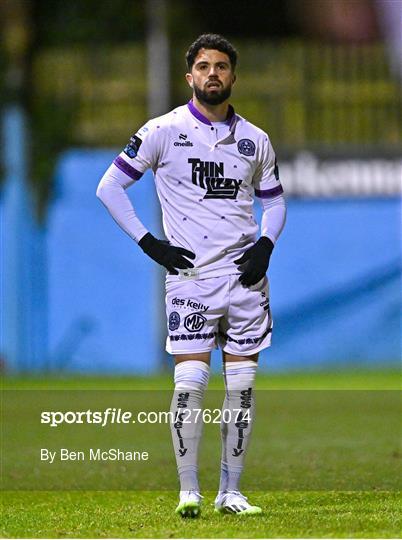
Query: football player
208, 163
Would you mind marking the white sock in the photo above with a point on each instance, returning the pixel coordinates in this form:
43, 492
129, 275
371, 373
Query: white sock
191, 378
239, 384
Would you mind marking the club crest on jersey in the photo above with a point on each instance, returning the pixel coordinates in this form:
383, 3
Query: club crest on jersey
246, 147
210, 176
174, 321
131, 150
194, 322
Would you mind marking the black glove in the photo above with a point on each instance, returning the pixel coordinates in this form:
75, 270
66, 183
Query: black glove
163, 253
256, 261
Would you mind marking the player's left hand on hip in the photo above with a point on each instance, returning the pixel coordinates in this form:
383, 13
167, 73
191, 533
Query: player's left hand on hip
255, 261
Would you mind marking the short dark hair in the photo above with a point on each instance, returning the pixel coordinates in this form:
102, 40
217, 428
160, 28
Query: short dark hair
211, 41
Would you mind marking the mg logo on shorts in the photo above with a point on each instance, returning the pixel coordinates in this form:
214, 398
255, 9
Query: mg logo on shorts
194, 322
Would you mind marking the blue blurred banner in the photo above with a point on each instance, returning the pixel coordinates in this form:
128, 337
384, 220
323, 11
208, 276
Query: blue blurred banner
335, 281
23, 269
104, 294
336, 284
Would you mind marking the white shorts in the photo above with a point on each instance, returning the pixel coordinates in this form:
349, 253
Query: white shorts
205, 313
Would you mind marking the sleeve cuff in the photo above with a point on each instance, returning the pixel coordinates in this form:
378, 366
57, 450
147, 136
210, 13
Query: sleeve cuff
268, 193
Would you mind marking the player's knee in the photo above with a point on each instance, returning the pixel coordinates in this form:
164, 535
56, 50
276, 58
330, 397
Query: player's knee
227, 357
191, 375
202, 357
239, 378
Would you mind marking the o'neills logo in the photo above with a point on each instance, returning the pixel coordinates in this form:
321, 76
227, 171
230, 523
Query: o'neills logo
183, 137
187, 143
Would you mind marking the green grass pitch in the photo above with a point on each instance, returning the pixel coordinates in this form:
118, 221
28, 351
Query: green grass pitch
369, 506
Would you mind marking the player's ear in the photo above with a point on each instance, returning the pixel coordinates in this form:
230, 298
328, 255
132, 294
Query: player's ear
189, 79
234, 78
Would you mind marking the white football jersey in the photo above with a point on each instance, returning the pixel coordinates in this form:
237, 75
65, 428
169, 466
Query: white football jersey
206, 178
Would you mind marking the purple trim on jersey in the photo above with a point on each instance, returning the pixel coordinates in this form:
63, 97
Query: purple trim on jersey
268, 193
127, 168
231, 117
195, 112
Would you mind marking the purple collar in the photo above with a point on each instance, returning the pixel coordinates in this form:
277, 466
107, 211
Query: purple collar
195, 112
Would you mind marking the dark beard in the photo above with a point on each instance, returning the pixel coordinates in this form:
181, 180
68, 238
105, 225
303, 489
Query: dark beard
213, 98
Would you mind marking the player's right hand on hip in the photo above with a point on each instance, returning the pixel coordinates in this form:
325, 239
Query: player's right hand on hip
171, 257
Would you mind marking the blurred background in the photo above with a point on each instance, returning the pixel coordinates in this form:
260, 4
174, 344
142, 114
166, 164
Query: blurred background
322, 77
